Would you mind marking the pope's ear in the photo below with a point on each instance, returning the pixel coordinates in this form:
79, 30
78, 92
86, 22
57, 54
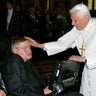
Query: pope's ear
14, 50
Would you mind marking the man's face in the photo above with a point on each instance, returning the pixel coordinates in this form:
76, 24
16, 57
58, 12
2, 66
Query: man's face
32, 11
9, 6
79, 22
24, 50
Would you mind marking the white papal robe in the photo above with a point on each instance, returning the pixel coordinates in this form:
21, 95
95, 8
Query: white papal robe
75, 38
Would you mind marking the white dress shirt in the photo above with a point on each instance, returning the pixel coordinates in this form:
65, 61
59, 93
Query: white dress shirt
9, 15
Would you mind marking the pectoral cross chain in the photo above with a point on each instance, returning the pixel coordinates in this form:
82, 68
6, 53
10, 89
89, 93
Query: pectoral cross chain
82, 48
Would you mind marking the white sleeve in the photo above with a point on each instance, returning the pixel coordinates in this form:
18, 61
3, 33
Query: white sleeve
62, 43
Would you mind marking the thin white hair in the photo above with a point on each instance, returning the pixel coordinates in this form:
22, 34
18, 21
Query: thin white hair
81, 10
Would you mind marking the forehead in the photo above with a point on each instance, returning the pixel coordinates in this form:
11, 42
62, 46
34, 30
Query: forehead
76, 16
73, 15
25, 43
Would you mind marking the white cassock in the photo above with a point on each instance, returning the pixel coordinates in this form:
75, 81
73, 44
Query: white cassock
75, 38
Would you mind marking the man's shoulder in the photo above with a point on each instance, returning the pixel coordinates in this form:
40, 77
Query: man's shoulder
14, 58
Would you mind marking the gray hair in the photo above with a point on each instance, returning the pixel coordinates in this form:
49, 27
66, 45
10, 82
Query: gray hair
16, 41
81, 10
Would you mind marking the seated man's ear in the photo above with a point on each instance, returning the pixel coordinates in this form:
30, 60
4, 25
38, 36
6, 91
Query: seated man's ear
14, 50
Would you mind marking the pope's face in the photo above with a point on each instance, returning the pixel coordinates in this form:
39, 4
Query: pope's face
78, 21
24, 50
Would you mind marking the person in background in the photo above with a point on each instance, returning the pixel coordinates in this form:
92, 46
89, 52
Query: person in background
59, 28
20, 76
82, 36
11, 20
32, 24
22, 14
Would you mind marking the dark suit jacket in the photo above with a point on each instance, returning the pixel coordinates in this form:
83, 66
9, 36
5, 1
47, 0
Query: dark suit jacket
21, 78
14, 26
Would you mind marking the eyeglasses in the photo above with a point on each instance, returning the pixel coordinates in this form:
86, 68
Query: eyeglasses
24, 48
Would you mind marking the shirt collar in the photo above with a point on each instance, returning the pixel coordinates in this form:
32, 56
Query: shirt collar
11, 10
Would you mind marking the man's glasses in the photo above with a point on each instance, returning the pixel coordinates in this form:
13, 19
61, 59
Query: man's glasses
24, 48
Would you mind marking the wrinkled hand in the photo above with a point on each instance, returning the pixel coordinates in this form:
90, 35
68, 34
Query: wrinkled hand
77, 58
47, 91
2, 93
32, 41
